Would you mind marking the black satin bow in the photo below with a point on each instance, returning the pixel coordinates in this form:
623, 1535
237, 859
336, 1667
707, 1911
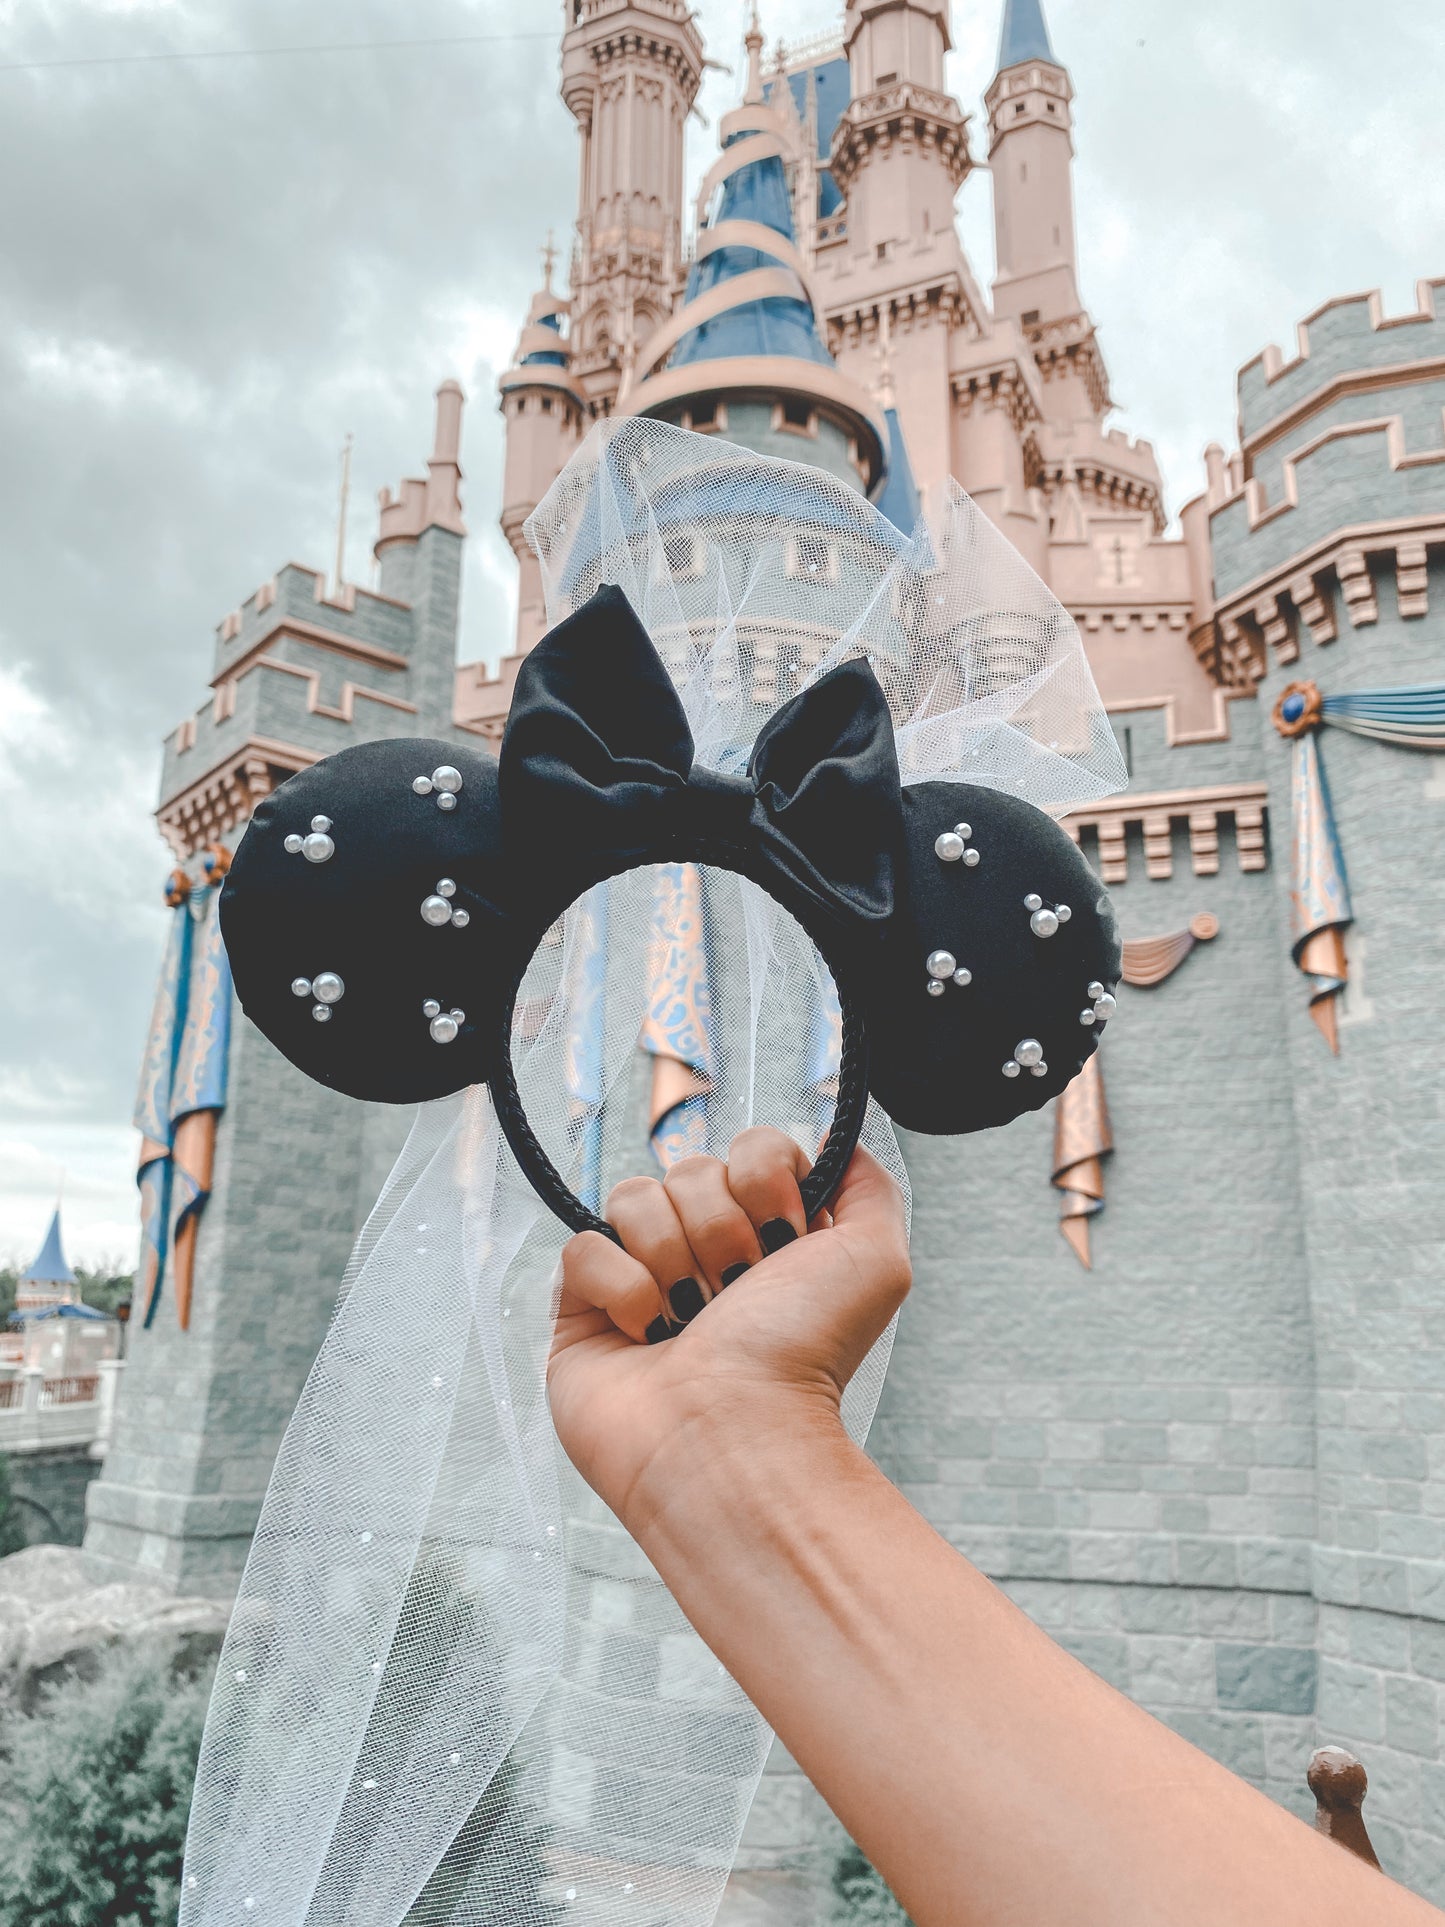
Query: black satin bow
597, 761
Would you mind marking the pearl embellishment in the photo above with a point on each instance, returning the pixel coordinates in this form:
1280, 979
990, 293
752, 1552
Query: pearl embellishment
1010, 1069
322, 1013
1088, 1019
293, 845
328, 988
300, 986
942, 964
949, 847
1096, 990
446, 888
446, 1024
421, 785
446, 802
461, 918
1029, 1052
935, 990
1032, 902
963, 978
1105, 1006
447, 779
431, 1008
436, 911
318, 847
1044, 923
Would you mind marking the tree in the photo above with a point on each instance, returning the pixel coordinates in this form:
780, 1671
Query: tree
12, 1525
95, 1787
860, 1897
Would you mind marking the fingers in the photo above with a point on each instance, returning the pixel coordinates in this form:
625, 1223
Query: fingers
765, 1169
718, 1229
642, 1214
596, 1272
870, 1218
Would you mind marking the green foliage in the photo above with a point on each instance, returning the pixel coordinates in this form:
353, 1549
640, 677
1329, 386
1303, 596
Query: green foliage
860, 1898
95, 1787
12, 1525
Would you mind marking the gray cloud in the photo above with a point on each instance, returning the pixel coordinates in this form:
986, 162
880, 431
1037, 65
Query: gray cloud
211, 271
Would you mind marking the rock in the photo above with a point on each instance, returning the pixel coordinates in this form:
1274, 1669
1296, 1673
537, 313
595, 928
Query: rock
53, 1618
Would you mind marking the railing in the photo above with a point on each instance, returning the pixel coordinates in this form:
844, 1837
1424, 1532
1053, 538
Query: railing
40, 1414
69, 1391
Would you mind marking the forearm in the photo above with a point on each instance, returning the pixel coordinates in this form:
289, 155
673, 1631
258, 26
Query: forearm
990, 1777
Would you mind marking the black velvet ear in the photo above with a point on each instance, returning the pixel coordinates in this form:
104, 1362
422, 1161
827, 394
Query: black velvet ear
1024, 920
384, 914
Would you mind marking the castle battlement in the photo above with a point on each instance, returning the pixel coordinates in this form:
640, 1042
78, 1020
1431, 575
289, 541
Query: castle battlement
350, 614
1347, 341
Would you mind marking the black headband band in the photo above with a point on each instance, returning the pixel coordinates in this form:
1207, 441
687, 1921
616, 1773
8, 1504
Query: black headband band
384, 904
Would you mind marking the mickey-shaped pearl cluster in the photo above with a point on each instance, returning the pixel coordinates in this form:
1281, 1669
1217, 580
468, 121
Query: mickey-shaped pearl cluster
316, 848
943, 965
437, 909
953, 846
327, 989
1102, 1008
444, 1023
1028, 1056
1045, 922
446, 782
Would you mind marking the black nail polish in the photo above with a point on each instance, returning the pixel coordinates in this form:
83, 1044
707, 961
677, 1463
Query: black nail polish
776, 1233
658, 1330
734, 1272
686, 1300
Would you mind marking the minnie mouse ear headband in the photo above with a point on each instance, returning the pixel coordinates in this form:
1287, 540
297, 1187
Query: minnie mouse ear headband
383, 906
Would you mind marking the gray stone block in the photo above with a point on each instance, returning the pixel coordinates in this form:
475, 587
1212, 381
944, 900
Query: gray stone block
1266, 1679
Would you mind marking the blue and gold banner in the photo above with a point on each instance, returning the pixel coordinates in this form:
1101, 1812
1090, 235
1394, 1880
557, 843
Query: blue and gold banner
677, 1033
182, 1087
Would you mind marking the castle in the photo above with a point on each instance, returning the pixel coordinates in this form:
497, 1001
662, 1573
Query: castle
1201, 1434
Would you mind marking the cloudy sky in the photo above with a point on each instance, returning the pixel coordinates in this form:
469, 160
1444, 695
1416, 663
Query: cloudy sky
212, 270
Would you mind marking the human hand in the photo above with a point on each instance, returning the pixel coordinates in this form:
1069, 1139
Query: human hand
765, 1319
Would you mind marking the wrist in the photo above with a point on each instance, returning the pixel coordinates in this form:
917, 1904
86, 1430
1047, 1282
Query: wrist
735, 1459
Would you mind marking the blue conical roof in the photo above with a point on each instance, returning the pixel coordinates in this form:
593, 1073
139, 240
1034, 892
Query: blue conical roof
899, 500
1025, 35
50, 1267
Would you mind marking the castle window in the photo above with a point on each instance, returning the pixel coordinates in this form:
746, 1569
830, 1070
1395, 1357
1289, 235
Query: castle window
681, 559
811, 558
882, 250
795, 416
546, 404
707, 418
1052, 108
887, 80
1030, 318
1019, 106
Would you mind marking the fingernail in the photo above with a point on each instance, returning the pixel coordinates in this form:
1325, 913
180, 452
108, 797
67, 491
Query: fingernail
776, 1233
734, 1272
686, 1300
658, 1330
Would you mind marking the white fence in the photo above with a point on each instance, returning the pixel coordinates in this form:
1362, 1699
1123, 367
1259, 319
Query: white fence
40, 1414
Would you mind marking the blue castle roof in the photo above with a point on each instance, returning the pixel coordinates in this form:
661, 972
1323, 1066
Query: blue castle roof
50, 1267
1025, 35
899, 500
778, 325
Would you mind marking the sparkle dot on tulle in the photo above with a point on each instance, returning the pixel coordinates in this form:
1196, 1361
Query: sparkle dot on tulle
507, 1311
571, 1893
191, 1881
629, 1886
368, 1786
366, 1538
241, 1675
551, 1532
456, 1759
376, 1668
438, 1380
249, 1903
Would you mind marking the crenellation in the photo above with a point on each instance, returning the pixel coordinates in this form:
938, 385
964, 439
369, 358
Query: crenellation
1350, 335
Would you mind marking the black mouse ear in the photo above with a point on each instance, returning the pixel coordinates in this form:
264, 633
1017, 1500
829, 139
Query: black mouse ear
999, 967
363, 918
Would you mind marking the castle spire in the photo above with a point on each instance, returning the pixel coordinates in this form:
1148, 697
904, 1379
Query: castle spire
753, 41
1025, 34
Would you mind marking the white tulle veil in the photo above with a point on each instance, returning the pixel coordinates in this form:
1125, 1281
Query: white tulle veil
453, 1690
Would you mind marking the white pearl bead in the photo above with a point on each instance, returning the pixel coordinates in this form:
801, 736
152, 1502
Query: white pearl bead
322, 1013
1032, 902
970, 859
329, 988
446, 888
436, 911
461, 918
965, 830
942, 964
293, 845
1087, 1019
935, 989
443, 1029
321, 822
1029, 1052
431, 1008
318, 848
1096, 990
1105, 1006
949, 847
1010, 1069
1041, 1070
1044, 923
1062, 912
459, 1016
446, 802
300, 986
963, 978
422, 785
448, 779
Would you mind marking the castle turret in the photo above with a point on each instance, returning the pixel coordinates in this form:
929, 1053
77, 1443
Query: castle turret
630, 75
1031, 151
546, 416
744, 352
